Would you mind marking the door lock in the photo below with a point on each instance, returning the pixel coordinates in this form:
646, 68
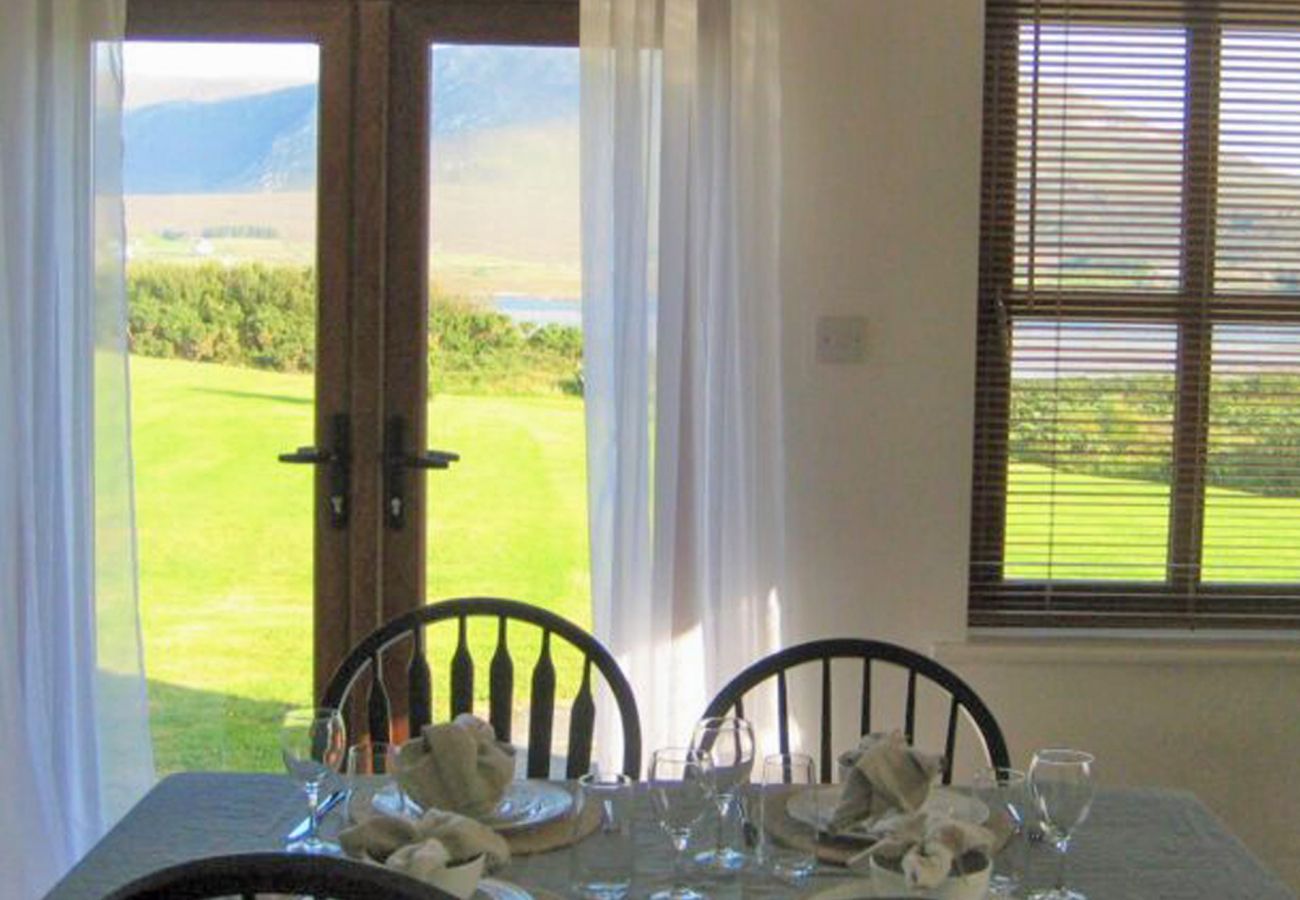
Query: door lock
396, 461
338, 457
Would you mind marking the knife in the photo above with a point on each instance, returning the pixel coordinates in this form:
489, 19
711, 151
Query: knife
332, 800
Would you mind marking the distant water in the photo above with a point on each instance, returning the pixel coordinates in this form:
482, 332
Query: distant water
539, 310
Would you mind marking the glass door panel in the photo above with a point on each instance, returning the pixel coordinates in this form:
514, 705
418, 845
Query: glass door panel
505, 335
220, 184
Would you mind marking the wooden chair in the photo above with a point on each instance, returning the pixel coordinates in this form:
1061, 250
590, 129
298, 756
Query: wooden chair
249, 874
730, 700
410, 628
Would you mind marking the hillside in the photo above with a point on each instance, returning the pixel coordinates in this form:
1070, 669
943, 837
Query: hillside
267, 141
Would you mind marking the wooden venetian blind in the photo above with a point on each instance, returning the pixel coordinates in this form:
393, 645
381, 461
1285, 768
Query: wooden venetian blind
1137, 451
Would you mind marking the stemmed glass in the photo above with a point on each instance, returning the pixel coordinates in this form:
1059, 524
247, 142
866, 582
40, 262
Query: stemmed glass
1062, 787
730, 742
681, 789
312, 742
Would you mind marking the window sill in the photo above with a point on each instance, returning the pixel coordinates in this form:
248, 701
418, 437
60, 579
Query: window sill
1127, 646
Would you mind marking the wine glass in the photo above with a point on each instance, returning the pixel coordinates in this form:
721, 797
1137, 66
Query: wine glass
312, 742
1061, 782
730, 743
681, 789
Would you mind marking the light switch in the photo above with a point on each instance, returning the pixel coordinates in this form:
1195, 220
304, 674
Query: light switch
841, 340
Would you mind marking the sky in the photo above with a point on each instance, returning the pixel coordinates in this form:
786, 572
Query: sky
158, 71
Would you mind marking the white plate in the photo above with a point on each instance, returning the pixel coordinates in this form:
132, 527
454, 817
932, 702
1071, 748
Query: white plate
526, 804
492, 889
817, 806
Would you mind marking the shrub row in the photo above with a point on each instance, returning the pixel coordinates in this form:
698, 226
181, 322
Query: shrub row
1122, 427
248, 315
265, 317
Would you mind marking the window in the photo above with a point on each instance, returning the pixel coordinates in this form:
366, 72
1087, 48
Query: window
1137, 441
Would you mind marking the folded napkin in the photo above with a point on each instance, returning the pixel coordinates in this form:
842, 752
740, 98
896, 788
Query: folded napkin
886, 774
426, 844
456, 766
926, 846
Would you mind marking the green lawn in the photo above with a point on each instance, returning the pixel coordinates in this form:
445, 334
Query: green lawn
1117, 529
225, 540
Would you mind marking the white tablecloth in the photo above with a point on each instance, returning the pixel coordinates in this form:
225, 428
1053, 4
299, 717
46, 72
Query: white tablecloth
1137, 845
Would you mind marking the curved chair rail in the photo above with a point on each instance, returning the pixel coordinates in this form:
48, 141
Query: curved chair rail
367, 655
731, 697
249, 874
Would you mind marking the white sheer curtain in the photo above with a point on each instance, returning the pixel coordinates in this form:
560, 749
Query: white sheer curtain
74, 739
681, 313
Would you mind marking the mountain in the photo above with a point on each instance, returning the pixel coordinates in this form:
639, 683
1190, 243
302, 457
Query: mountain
258, 143
267, 141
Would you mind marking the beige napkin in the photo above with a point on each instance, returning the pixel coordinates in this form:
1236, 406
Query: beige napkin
457, 766
926, 845
887, 774
408, 844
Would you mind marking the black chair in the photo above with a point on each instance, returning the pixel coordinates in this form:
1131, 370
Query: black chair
368, 656
730, 700
249, 874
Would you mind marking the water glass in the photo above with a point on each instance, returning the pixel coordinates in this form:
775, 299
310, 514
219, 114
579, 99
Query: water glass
680, 781
372, 776
729, 740
1005, 793
602, 861
1061, 784
792, 856
312, 742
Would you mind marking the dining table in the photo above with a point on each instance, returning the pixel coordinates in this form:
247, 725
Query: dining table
1137, 844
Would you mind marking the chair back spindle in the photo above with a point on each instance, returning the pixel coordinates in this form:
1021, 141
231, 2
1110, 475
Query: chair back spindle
865, 726
827, 745
541, 712
419, 684
950, 740
378, 709
582, 725
501, 681
462, 672
909, 715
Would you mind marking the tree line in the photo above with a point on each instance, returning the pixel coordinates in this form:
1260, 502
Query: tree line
264, 317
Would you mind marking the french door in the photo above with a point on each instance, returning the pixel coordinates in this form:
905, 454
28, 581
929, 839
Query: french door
366, 435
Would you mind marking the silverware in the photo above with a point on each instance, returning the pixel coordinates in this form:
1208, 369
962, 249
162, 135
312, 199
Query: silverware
331, 800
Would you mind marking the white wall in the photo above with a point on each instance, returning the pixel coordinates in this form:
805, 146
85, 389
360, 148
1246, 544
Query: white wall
882, 128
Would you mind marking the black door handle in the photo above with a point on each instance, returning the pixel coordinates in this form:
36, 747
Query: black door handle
396, 461
338, 457
433, 459
306, 455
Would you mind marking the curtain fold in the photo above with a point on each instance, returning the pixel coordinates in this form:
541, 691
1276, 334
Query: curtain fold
682, 356
73, 711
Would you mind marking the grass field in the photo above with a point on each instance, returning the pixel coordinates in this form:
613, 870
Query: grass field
225, 542
1117, 529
